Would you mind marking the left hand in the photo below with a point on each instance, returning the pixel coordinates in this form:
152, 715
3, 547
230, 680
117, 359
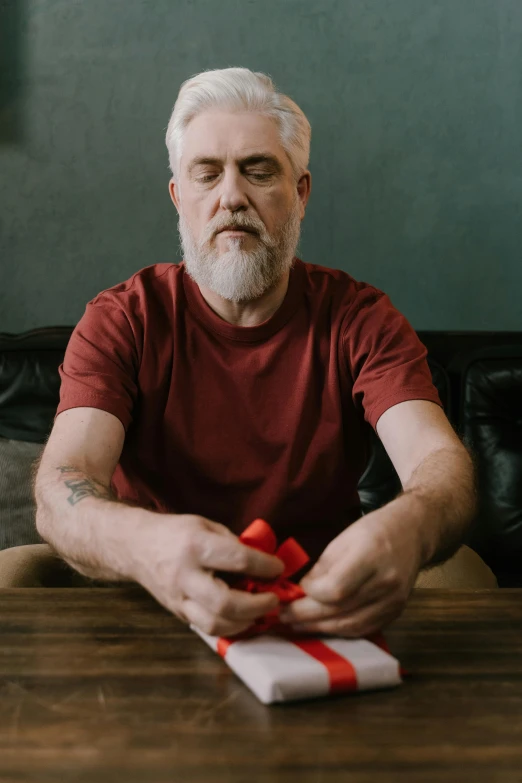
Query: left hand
362, 580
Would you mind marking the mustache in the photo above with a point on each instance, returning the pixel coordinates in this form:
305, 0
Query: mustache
240, 221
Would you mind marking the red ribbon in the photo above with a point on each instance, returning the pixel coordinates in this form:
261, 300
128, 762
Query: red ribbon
259, 535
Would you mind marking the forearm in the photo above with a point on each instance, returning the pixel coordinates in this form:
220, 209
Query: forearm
78, 516
439, 501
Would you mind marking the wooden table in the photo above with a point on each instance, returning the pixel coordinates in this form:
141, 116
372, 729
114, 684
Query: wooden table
104, 685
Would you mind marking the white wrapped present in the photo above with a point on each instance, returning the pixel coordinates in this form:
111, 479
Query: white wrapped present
279, 669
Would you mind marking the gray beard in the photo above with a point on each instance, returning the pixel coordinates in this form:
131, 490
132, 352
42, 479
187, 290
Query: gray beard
242, 275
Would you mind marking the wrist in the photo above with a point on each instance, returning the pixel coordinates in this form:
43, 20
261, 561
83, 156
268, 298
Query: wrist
413, 513
130, 536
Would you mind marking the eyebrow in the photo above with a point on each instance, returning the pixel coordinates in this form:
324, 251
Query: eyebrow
258, 157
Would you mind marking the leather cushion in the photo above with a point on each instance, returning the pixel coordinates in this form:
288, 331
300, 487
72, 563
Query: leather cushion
29, 382
492, 427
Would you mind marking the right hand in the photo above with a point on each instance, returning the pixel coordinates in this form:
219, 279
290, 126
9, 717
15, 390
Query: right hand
176, 556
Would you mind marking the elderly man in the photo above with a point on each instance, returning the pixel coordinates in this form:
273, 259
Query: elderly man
200, 396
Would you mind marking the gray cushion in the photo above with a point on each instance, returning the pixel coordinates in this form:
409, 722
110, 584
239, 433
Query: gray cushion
17, 507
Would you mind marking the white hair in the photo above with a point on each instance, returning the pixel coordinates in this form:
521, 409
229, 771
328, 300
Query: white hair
239, 89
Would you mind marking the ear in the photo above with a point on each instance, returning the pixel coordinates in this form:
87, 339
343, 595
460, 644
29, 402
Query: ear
174, 194
304, 188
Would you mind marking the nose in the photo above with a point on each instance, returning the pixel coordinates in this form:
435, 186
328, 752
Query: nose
233, 196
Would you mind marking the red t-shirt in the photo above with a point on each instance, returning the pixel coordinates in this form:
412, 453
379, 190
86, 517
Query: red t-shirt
235, 423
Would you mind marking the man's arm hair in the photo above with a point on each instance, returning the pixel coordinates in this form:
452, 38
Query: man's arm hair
77, 513
444, 487
439, 497
82, 486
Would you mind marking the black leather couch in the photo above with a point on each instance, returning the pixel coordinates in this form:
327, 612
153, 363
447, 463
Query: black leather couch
479, 378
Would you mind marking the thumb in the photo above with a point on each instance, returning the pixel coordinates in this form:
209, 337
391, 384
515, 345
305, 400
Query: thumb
221, 530
318, 571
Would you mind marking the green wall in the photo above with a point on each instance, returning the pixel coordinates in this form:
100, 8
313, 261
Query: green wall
416, 113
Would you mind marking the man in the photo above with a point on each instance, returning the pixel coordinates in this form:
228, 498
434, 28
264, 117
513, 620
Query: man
198, 397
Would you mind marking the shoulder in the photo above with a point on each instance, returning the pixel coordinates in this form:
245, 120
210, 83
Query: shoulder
148, 297
148, 284
347, 295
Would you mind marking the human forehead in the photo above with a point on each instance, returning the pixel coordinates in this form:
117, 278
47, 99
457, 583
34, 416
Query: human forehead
231, 136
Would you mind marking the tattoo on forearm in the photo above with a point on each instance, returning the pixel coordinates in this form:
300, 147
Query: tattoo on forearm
82, 487
85, 488
67, 469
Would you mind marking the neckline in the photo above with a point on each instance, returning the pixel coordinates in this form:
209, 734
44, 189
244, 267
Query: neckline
204, 313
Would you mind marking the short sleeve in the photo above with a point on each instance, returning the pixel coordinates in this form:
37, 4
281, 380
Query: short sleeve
385, 358
100, 364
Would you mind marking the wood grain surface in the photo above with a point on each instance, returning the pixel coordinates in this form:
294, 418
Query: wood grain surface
104, 685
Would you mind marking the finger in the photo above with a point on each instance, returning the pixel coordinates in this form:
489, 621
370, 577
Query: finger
367, 620
225, 602
307, 610
371, 592
229, 554
332, 581
221, 530
338, 585
208, 622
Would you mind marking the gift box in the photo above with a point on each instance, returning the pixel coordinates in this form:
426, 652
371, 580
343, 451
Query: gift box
278, 669
278, 664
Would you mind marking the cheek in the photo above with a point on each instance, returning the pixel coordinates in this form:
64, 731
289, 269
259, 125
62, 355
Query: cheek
195, 215
274, 209
192, 200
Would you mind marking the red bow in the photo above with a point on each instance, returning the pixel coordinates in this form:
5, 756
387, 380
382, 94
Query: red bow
259, 535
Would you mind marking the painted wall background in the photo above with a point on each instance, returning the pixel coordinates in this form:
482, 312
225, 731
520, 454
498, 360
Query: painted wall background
416, 113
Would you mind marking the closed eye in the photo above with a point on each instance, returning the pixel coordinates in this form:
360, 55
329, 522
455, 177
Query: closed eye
260, 174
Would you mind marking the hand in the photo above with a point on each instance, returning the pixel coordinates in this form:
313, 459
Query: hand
362, 580
176, 557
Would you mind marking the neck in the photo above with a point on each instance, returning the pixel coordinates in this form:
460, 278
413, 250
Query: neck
250, 313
